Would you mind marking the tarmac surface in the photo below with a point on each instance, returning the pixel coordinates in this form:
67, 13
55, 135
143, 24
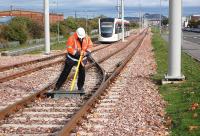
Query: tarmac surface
190, 44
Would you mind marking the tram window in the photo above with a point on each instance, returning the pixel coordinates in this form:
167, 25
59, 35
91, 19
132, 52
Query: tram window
117, 29
127, 27
106, 27
120, 28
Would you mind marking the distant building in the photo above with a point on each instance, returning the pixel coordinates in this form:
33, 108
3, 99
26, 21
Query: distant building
36, 16
185, 21
132, 19
153, 19
195, 17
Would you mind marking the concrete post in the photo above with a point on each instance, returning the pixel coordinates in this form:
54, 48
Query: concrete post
122, 4
142, 20
160, 17
140, 16
46, 27
174, 56
58, 25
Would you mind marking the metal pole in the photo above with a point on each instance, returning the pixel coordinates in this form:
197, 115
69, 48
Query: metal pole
11, 8
46, 27
75, 15
118, 9
140, 20
174, 58
160, 17
86, 21
58, 24
122, 4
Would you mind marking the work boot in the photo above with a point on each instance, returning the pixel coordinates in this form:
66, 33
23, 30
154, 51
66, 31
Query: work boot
81, 89
56, 89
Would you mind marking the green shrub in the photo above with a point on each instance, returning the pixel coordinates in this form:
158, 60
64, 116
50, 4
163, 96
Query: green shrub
22, 28
36, 30
15, 31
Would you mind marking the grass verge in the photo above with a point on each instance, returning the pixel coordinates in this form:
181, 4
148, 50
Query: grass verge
182, 99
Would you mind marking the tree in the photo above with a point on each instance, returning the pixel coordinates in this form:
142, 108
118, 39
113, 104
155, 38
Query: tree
71, 23
22, 28
193, 24
165, 21
35, 30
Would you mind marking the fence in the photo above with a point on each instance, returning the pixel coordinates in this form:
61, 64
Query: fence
9, 44
29, 42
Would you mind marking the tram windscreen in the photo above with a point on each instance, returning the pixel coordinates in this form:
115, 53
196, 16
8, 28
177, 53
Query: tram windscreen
107, 27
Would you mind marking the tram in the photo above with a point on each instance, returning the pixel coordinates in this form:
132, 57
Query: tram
110, 29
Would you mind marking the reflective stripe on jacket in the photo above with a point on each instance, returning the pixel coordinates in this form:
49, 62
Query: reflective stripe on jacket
73, 45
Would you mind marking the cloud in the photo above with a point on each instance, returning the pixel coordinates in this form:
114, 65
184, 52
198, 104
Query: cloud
68, 7
90, 3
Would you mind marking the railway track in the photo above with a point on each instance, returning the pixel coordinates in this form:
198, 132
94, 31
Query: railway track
102, 91
17, 70
58, 111
15, 92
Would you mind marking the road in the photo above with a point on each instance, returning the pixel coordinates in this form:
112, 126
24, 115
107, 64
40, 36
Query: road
191, 44
192, 37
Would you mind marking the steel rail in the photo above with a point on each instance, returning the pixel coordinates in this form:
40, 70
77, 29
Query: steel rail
31, 70
5, 68
26, 72
22, 103
95, 98
29, 62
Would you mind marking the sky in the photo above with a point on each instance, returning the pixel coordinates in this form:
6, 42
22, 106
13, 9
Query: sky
68, 7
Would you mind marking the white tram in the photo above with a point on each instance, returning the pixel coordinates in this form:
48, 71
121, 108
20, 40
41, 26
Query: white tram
110, 29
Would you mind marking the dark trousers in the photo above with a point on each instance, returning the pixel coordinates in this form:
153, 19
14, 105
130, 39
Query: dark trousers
66, 70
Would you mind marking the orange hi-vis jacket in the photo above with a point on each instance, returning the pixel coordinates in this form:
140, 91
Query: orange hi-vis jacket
73, 44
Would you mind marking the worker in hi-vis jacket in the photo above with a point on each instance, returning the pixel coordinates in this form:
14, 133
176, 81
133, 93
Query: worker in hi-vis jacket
78, 44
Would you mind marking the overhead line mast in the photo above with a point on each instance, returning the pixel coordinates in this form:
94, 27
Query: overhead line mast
46, 26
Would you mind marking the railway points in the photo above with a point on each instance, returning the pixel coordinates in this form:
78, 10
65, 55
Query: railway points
122, 94
122, 52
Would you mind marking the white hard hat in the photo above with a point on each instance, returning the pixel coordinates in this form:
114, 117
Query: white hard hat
80, 32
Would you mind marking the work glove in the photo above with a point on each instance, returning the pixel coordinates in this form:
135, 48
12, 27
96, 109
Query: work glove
77, 55
88, 54
84, 62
